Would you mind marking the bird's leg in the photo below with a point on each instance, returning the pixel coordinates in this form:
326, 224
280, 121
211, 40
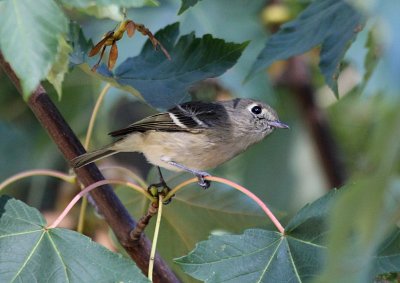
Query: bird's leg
154, 189
162, 181
205, 184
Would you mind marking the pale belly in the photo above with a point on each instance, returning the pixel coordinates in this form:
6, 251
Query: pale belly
187, 149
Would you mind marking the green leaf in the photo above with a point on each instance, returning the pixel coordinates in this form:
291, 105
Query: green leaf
372, 57
60, 67
255, 256
30, 34
265, 256
80, 45
389, 256
32, 253
186, 4
333, 24
164, 83
310, 222
107, 8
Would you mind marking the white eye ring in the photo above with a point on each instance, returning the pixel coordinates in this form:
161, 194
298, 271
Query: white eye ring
255, 109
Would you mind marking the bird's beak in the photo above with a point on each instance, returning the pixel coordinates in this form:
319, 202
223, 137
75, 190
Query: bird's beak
279, 124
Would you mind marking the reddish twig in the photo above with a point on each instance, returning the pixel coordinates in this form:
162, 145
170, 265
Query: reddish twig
86, 190
259, 202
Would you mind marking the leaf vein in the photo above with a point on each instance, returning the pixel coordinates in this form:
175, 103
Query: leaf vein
28, 258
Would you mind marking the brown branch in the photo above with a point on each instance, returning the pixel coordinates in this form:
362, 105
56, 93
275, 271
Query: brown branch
144, 221
106, 201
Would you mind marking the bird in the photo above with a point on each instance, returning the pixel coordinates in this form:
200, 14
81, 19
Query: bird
193, 136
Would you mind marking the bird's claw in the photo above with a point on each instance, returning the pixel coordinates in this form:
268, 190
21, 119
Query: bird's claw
205, 184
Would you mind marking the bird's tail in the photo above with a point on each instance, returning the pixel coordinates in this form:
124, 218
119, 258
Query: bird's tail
92, 156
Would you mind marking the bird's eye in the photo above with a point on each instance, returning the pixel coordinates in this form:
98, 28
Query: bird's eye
256, 109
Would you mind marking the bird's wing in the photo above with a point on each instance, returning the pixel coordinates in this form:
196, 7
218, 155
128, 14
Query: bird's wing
187, 117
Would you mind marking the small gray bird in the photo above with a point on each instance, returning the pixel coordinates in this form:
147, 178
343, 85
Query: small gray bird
193, 136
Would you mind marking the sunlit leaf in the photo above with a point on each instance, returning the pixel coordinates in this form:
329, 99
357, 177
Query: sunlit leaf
333, 24
60, 67
28, 44
31, 253
103, 3
112, 12
107, 8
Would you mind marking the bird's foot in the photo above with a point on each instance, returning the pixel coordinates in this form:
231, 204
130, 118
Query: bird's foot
203, 183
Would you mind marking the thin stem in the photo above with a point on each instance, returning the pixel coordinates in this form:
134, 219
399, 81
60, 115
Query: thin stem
128, 172
91, 187
155, 238
263, 206
39, 172
82, 212
75, 200
94, 114
134, 187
